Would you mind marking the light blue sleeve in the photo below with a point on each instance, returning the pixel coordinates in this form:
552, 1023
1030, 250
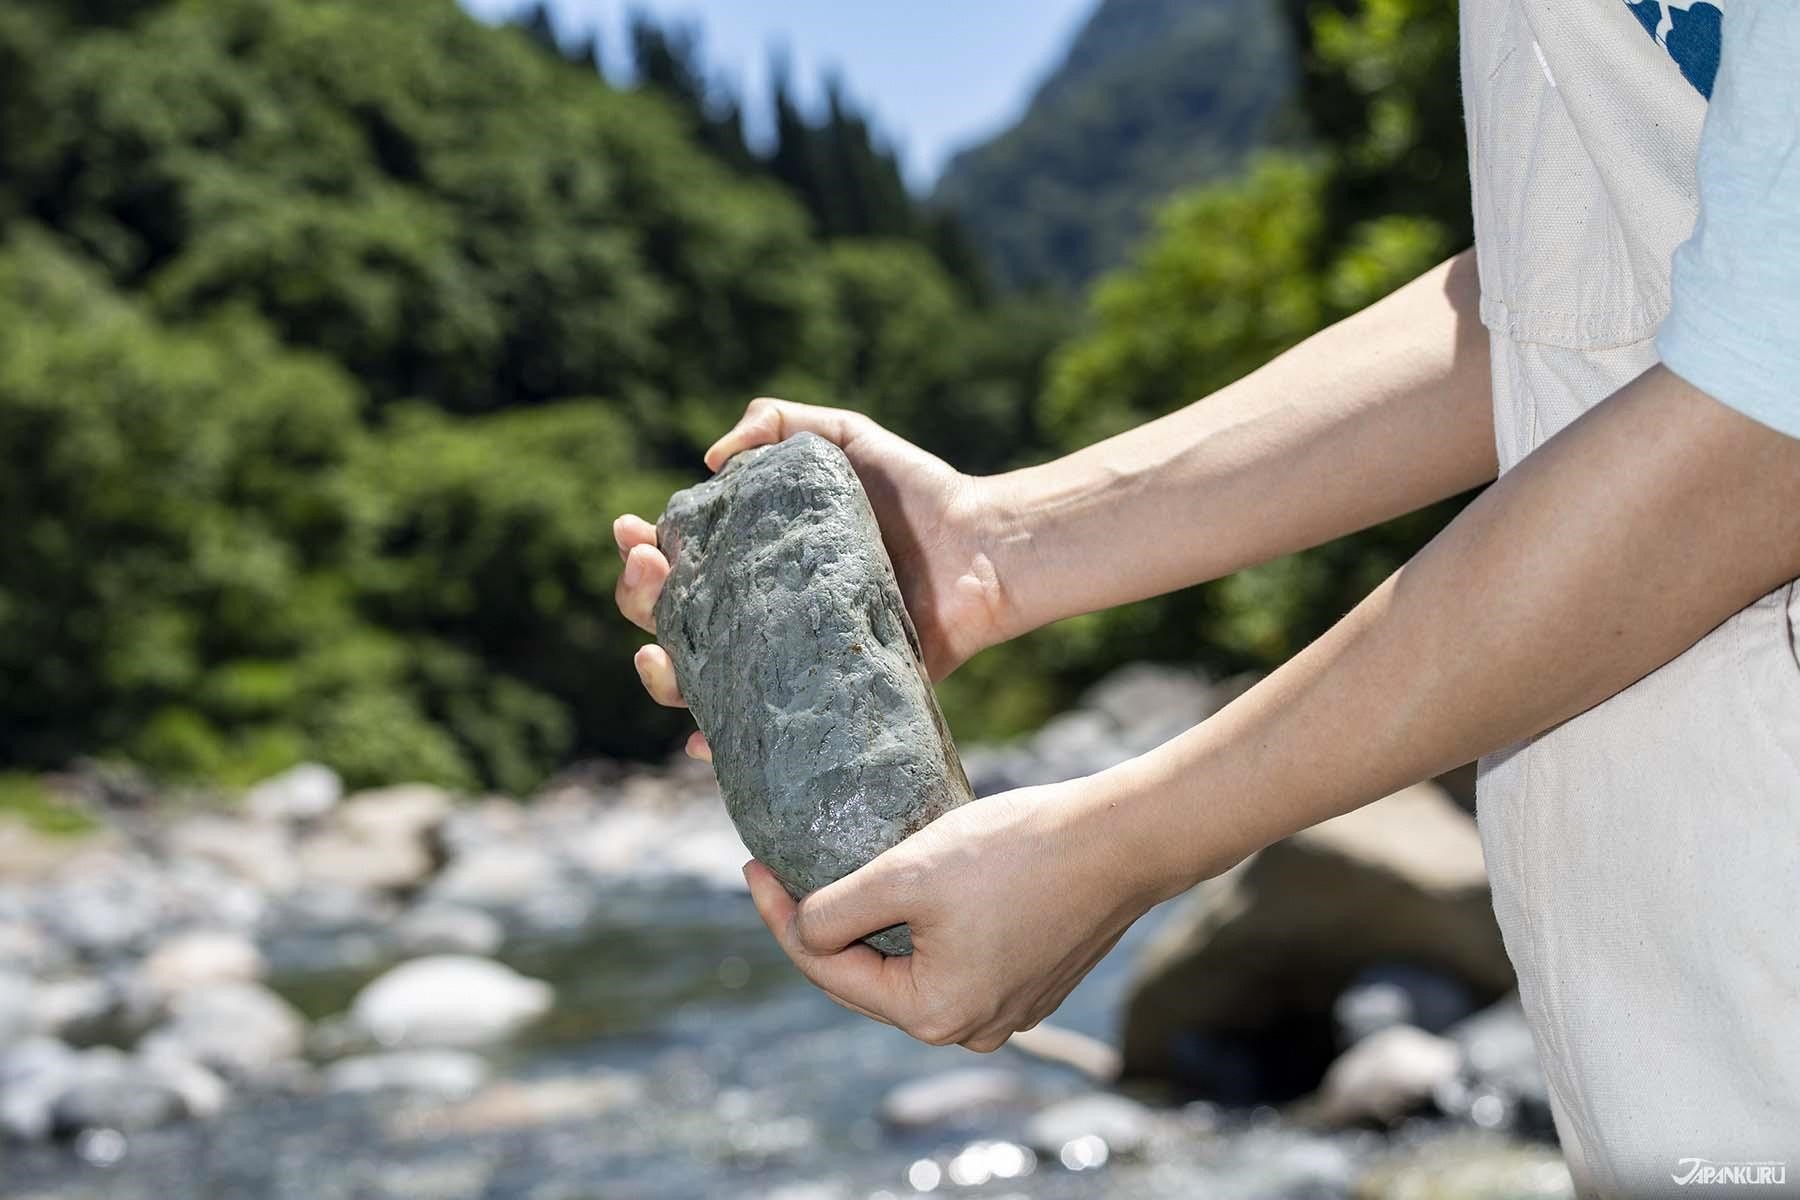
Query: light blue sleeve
1733, 328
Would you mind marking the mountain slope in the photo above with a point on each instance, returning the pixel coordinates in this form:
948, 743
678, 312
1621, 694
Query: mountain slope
1153, 95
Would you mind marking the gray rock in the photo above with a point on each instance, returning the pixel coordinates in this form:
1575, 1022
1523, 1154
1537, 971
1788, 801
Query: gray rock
1390, 994
33, 1075
110, 1091
1499, 1062
796, 653
448, 1000
17, 1007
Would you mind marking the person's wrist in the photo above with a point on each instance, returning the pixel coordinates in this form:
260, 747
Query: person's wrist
1000, 519
1121, 820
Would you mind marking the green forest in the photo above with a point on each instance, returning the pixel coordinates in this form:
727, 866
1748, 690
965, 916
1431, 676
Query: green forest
333, 335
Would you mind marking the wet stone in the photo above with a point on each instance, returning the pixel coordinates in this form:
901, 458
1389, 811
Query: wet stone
793, 648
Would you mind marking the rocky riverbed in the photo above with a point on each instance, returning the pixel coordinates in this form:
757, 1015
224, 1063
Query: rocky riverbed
400, 993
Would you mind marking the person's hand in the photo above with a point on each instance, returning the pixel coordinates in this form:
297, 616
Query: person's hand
1012, 899
938, 525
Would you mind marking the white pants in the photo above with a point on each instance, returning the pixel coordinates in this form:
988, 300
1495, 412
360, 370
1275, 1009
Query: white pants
1645, 860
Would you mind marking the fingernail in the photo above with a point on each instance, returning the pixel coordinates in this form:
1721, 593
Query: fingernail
634, 570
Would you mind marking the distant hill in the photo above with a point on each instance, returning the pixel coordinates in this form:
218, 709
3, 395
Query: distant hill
1153, 95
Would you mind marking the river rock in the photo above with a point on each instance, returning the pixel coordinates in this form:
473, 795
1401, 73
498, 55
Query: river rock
1389, 994
197, 958
33, 1074
502, 875
796, 653
259, 853
17, 1007
448, 1000
302, 793
439, 928
111, 1090
241, 1030
444, 1074
1119, 1121
1386, 1075
1233, 995
960, 1096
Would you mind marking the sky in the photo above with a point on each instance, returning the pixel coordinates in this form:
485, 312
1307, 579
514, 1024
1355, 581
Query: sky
935, 74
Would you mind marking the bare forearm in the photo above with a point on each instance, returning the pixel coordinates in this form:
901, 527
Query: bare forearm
1379, 415
1608, 552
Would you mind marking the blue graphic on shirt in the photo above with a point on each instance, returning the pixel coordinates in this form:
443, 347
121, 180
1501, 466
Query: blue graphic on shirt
1690, 34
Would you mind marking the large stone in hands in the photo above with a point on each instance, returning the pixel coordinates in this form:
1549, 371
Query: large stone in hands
802, 667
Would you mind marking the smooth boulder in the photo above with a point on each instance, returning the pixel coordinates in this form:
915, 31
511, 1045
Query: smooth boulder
1234, 994
793, 647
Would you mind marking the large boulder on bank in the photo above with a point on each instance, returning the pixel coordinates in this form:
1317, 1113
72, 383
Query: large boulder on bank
796, 653
1234, 994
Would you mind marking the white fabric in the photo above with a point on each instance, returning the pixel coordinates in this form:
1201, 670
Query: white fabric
1645, 856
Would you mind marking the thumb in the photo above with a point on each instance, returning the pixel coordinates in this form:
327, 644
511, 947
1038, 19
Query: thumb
866, 900
769, 420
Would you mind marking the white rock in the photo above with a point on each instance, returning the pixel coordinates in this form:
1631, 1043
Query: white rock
446, 1074
1386, 1075
343, 860
197, 959
202, 1092
241, 1030
505, 875
258, 854
406, 812
434, 928
448, 1000
951, 1095
62, 1006
301, 793
1122, 1123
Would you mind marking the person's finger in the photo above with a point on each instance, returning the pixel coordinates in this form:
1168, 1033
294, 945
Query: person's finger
632, 530
770, 420
871, 898
640, 583
860, 975
698, 747
658, 675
